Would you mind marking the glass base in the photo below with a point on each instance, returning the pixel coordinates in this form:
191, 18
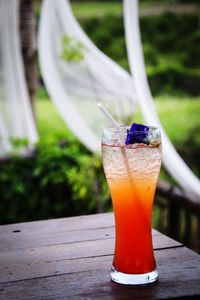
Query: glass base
133, 279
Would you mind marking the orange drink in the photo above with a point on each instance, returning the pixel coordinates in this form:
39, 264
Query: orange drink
132, 171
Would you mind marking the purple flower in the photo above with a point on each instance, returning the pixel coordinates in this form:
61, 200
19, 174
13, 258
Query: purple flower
138, 133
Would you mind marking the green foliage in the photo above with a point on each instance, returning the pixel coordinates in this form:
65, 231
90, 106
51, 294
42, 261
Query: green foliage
19, 143
190, 149
171, 45
72, 49
86, 9
58, 181
65, 179
179, 116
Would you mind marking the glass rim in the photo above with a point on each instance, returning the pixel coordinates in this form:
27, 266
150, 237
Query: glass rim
115, 129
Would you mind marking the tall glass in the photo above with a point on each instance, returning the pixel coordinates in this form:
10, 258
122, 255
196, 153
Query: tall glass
132, 173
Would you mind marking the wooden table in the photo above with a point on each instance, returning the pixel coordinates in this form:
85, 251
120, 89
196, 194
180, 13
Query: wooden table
70, 259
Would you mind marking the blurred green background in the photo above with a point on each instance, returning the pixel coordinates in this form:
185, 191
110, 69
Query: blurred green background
63, 178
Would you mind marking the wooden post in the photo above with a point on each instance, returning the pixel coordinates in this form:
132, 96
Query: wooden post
198, 233
174, 220
28, 45
188, 227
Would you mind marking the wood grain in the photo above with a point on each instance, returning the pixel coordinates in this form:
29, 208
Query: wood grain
179, 276
62, 225
34, 262
20, 240
71, 259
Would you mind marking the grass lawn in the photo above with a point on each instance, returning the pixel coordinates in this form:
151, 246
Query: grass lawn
178, 116
97, 9
51, 126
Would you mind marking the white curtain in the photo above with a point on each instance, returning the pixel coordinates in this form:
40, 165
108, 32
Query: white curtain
16, 119
75, 88
171, 159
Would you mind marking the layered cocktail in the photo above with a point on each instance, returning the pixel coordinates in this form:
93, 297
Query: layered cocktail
132, 161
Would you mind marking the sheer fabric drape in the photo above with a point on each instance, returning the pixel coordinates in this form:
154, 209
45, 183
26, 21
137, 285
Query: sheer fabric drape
16, 118
75, 88
172, 161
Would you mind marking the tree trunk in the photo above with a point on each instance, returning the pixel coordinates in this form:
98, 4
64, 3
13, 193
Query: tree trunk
28, 46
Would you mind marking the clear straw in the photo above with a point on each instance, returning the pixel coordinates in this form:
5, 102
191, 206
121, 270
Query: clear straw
108, 115
121, 140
